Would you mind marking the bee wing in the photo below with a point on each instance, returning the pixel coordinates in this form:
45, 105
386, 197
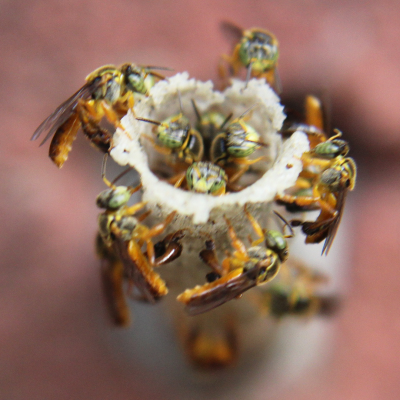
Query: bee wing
64, 111
148, 283
333, 227
232, 32
211, 295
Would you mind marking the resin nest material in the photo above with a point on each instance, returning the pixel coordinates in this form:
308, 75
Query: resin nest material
262, 111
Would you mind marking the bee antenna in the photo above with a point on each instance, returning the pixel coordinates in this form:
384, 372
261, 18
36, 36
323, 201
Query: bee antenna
196, 110
248, 74
259, 143
286, 224
150, 121
159, 68
226, 120
338, 133
103, 173
124, 172
255, 104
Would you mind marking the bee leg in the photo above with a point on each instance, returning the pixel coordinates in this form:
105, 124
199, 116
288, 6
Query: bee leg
143, 216
303, 182
236, 176
245, 161
149, 280
135, 208
155, 231
61, 144
160, 149
308, 159
301, 201
110, 114
209, 257
327, 200
256, 227
241, 252
177, 179
128, 99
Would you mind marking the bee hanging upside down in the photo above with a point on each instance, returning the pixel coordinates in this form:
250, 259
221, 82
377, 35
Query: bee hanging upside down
295, 294
121, 237
108, 92
245, 269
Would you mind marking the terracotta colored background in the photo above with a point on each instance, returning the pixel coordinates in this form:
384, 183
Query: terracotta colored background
54, 341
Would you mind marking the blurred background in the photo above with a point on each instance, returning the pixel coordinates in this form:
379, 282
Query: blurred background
55, 341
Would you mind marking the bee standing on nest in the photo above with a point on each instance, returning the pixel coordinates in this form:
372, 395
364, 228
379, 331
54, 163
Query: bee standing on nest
245, 269
257, 50
328, 188
120, 240
108, 92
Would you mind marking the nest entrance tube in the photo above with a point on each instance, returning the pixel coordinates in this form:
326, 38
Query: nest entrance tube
280, 171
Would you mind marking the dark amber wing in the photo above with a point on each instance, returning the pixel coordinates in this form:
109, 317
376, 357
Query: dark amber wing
113, 284
132, 271
64, 111
333, 227
232, 32
211, 295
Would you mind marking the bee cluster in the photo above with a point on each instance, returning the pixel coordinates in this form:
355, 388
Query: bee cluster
211, 164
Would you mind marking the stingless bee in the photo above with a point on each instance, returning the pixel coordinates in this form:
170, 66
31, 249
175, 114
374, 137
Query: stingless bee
245, 269
209, 124
257, 50
121, 237
233, 147
296, 294
205, 177
328, 190
108, 92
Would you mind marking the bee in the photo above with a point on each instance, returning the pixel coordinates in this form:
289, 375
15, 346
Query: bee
279, 303
296, 295
232, 147
205, 177
121, 236
175, 137
209, 124
329, 191
245, 269
257, 50
108, 92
